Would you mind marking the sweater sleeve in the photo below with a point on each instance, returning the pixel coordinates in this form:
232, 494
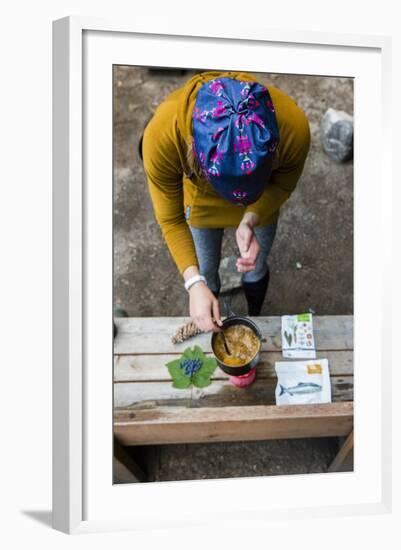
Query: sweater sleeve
293, 152
165, 182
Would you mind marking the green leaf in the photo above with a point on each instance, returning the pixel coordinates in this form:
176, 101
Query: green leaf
188, 354
288, 337
176, 362
209, 365
198, 353
201, 380
180, 380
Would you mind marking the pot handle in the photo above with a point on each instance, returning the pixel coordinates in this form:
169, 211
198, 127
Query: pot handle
229, 312
227, 306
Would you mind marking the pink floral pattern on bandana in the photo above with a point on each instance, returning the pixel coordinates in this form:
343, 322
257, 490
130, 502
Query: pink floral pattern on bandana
235, 137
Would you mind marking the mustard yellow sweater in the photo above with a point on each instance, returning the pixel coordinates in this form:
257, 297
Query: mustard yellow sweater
180, 198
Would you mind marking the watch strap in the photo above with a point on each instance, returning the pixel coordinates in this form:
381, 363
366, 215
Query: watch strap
193, 280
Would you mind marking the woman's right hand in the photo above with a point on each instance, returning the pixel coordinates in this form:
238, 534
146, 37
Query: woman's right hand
204, 308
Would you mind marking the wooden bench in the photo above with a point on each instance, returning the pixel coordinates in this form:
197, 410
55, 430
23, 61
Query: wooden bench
148, 410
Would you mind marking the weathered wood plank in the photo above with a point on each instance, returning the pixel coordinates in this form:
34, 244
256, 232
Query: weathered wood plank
262, 392
180, 425
153, 334
344, 461
125, 469
221, 393
140, 368
122, 474
150, 394
149, 410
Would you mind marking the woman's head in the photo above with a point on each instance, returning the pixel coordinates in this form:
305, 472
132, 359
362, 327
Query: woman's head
235, 136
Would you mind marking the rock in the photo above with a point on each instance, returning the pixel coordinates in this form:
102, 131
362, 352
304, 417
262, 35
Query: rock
298, 265
337, 134
230, 278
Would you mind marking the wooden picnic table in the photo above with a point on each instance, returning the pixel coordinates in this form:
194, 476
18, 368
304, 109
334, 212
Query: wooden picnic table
148, 410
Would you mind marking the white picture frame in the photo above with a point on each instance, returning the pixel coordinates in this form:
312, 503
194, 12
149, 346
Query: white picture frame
83, 496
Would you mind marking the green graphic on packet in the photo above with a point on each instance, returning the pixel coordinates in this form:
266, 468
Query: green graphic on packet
297, 336
304, 317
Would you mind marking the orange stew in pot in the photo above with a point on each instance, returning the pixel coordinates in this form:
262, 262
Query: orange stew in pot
242, 343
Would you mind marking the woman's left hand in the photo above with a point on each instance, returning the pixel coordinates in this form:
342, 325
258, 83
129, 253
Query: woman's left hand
247, 243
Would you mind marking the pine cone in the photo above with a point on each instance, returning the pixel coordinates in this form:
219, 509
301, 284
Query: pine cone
184, 332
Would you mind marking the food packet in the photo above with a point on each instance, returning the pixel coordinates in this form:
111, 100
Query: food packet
297, 336
303, 382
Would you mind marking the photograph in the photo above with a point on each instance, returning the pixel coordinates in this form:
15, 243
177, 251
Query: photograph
233, 274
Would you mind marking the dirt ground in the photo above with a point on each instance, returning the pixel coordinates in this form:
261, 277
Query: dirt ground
315, 232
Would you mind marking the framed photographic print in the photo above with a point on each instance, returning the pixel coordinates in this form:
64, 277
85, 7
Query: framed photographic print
216, 337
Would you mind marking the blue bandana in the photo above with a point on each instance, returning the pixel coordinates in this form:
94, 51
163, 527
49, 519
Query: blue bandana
235, 137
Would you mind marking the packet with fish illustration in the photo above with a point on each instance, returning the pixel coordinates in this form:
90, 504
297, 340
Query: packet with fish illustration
297, 336
303, 382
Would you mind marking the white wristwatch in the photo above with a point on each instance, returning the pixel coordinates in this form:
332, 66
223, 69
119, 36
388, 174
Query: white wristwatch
193, 280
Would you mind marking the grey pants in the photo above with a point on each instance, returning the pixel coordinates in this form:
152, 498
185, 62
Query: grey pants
208, 250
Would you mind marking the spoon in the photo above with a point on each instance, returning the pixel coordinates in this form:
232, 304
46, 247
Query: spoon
224, 339
225, 342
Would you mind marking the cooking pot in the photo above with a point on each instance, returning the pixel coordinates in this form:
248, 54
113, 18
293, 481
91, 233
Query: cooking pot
231, 320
